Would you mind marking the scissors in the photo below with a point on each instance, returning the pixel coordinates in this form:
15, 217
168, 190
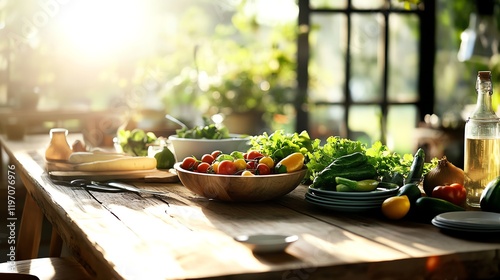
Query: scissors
109, 186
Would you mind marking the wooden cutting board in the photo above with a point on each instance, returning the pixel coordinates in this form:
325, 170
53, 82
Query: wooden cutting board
153, 176
65, 171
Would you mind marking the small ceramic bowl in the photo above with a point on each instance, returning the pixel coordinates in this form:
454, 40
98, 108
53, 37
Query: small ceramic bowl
186, 147
267, 243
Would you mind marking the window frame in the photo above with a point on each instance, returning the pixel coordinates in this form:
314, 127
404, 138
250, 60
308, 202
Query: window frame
425, 102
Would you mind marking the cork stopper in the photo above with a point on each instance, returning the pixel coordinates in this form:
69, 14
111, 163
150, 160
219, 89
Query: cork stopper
484, 75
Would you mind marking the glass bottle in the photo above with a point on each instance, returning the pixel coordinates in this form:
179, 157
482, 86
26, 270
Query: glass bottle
58, 149
482, 142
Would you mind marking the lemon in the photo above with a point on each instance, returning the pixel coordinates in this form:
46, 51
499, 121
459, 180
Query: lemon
396, 207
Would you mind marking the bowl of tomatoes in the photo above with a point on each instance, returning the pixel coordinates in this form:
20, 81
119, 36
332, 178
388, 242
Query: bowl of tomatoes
230, 177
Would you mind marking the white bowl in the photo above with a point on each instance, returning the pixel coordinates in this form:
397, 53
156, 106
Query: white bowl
186, 147
267, 243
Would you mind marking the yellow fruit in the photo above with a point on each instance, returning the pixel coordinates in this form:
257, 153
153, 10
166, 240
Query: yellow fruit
396, 207
247, 173
215, 167
240, 164
267, 161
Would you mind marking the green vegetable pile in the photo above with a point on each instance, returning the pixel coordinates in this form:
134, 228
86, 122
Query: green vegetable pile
210, 131
135, 142
318, 156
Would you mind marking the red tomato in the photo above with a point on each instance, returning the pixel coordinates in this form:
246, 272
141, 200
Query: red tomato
454, 193
262, 169
227, 167
254, 154
208, 158
216, 153
203, 167
189, 163
252, 164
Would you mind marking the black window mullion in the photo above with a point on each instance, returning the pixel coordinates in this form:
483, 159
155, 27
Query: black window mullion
427, 58
303, 50
385, 80
347, 92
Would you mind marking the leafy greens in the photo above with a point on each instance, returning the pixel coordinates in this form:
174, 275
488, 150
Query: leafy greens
318, 157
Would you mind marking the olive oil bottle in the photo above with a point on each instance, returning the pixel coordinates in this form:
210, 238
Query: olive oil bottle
482, 142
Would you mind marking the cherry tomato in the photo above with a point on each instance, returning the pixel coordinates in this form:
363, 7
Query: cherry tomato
262, 169
254, 154
454, 193
252, 164
208, 158
203, 167
189, 163
227, 167
216, 153
215, 167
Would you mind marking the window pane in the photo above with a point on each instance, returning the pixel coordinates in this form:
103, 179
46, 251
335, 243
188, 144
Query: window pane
327, 121
327, 67
364, 123
368, 4
401, 121
366, 77
398, 4
328, 4
403, 58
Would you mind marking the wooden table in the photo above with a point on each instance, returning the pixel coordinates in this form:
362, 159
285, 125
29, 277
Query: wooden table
126, 236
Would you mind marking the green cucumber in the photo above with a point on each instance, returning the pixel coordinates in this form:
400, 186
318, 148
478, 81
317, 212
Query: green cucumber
429, 207
350, 160
343, 188
416, 168
358, 186
412, 191
326, 178
490, 197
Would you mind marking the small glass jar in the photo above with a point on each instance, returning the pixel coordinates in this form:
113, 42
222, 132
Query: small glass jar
58, 149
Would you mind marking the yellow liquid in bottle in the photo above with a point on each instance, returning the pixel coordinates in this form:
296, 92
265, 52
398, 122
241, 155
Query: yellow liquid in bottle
481, 165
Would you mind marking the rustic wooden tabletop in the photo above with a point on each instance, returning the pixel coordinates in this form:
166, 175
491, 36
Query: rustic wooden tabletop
184, 236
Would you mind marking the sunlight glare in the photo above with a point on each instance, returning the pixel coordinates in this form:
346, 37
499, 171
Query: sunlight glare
100, 28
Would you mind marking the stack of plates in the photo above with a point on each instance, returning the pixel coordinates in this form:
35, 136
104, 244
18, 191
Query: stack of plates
468, 221
349, 201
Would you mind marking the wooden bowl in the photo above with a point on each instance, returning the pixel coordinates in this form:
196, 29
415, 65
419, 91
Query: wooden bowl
240, 188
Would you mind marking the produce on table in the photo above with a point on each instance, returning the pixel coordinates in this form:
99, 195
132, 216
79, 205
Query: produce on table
290, 163
429, 207
444, 173
490, 197
416, 168
239, 163
356, 186
135, 142
454, 193
164, 159
412, 191
396, 207
357, 168
208, 131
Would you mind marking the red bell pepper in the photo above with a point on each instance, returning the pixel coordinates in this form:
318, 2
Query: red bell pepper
454, 193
